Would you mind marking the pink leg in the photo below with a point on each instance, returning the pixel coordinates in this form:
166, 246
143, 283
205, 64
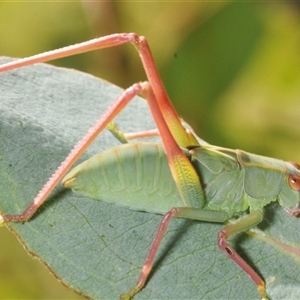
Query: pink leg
184, 174
73, 156
176, 212
241, 225
151, 255
141, 134
143, 49
162, 110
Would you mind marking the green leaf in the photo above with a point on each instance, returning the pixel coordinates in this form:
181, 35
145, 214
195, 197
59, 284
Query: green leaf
96, 248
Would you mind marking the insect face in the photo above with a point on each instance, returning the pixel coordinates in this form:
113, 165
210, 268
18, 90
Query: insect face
290, 193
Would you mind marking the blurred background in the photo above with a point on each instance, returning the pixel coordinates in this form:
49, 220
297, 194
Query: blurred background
232, 71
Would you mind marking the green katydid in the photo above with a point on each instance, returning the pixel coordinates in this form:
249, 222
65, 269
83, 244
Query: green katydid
191, 178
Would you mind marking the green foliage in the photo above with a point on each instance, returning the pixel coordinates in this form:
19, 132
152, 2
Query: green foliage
96, 248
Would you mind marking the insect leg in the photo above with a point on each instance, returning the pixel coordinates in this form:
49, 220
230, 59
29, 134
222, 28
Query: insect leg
125, 137
75, 154
141, 45
176, 212
183, 172
241, 225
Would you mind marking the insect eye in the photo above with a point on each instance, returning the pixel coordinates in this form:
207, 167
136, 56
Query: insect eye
294, 182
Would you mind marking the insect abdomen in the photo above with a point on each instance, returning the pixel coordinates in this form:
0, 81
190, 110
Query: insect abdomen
132, 175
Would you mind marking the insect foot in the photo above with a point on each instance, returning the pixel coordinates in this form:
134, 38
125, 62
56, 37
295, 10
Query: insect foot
262, 292
125, 297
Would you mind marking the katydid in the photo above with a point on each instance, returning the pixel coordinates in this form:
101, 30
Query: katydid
184, 177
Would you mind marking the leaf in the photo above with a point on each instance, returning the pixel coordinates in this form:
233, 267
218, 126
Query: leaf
96, 248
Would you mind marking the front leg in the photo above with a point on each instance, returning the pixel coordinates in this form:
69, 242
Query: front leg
231, 229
